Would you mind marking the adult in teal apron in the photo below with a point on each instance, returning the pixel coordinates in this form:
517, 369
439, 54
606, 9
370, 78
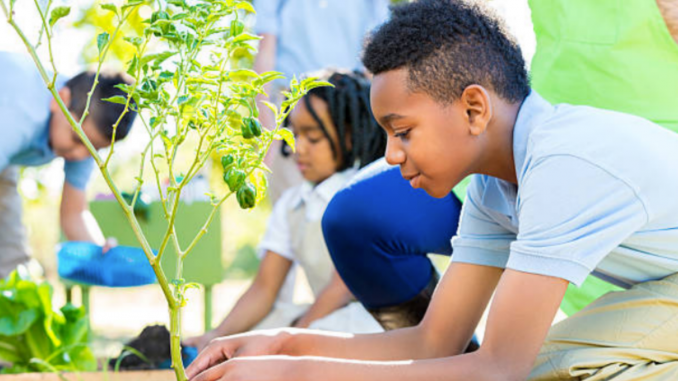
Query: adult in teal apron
612, 54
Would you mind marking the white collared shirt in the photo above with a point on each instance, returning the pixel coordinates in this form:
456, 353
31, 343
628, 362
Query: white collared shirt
315, 197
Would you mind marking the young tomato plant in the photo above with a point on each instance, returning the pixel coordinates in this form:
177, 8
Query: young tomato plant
188, 99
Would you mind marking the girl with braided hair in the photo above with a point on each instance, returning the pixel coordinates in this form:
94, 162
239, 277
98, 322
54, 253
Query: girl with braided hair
335, 135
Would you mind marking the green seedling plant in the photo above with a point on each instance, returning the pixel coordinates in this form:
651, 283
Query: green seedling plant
34, 336
190, 100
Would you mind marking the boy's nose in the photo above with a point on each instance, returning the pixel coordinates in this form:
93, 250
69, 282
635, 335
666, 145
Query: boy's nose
394, 153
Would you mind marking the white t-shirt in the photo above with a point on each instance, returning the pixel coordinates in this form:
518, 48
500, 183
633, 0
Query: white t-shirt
278, 238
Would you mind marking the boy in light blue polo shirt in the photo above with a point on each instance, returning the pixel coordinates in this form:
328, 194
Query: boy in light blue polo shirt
561, 191
35, 131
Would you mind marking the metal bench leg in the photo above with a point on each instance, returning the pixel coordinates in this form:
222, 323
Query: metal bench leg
69, 294
84, 291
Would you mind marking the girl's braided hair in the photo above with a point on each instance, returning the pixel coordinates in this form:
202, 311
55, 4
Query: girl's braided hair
348, 103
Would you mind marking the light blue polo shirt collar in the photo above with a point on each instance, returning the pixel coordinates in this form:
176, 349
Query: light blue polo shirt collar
500, 195
532, 113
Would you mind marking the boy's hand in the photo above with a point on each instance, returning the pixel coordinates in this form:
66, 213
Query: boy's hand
260, 368
258, 343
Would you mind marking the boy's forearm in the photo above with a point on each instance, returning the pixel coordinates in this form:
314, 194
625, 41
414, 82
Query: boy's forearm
476, 366
402, 344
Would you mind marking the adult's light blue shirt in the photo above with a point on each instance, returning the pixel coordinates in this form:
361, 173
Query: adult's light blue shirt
315, 34
24, 120
597, 192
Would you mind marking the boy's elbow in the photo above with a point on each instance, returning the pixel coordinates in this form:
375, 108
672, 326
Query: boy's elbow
498, 367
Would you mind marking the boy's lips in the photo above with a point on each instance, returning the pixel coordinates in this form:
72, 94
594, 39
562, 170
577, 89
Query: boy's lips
413, 179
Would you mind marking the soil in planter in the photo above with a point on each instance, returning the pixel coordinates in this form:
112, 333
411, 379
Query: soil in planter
154, 344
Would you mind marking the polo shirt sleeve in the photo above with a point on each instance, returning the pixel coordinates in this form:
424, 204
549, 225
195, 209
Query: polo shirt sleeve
277, 237
77, 173
480, 239
268, 16
572, 214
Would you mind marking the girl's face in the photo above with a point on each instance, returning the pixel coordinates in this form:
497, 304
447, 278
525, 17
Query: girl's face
313, 154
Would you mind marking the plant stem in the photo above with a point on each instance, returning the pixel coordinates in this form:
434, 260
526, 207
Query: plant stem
175, 342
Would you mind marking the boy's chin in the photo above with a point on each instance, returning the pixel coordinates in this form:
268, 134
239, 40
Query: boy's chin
437, 193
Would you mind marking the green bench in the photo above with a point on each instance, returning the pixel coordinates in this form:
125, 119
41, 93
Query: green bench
203, 265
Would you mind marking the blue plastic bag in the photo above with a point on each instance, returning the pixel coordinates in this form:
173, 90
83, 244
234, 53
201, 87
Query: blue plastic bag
122, 266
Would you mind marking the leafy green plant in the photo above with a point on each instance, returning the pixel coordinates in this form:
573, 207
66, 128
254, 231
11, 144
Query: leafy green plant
191, 103
34, 336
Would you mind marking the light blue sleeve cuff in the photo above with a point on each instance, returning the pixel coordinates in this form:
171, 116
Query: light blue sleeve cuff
478, 256
571, 271
78, 172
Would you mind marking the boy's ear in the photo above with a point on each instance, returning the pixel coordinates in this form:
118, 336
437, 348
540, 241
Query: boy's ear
478, 106
65, 94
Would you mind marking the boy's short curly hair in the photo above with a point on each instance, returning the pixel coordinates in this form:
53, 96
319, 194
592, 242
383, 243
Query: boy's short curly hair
104, 114
447, 45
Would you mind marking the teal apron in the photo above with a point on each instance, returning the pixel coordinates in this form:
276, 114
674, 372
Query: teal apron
611, 54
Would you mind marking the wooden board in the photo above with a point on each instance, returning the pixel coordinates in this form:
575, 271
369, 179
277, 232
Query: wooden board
151, 375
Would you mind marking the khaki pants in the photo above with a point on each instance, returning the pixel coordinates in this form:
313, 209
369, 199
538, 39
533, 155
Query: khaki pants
624, 335
13, 247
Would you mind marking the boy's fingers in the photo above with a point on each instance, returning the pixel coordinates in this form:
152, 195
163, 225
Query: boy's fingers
211, 374
210, 356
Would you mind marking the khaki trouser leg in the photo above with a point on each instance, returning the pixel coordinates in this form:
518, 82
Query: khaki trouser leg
624, 335
13, 247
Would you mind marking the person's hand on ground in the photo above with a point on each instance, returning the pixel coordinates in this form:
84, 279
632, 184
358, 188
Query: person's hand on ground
258, 343
200, 342
109, 244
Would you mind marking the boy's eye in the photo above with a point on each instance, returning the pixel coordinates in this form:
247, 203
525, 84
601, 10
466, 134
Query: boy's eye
401, 134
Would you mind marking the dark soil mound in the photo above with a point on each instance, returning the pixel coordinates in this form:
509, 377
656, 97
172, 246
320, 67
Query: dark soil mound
153, 343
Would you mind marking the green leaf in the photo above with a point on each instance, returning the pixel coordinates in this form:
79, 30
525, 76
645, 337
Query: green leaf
272, 107
190, 285
110, 7
313, 85
17, 325
124, 87
246, 37
246, 6
102, 40
83, 359
132, 4
58, 13
243, 73
118, 99
136, 41
9, 352
177, 3
157, 58
287, 135
271, 76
